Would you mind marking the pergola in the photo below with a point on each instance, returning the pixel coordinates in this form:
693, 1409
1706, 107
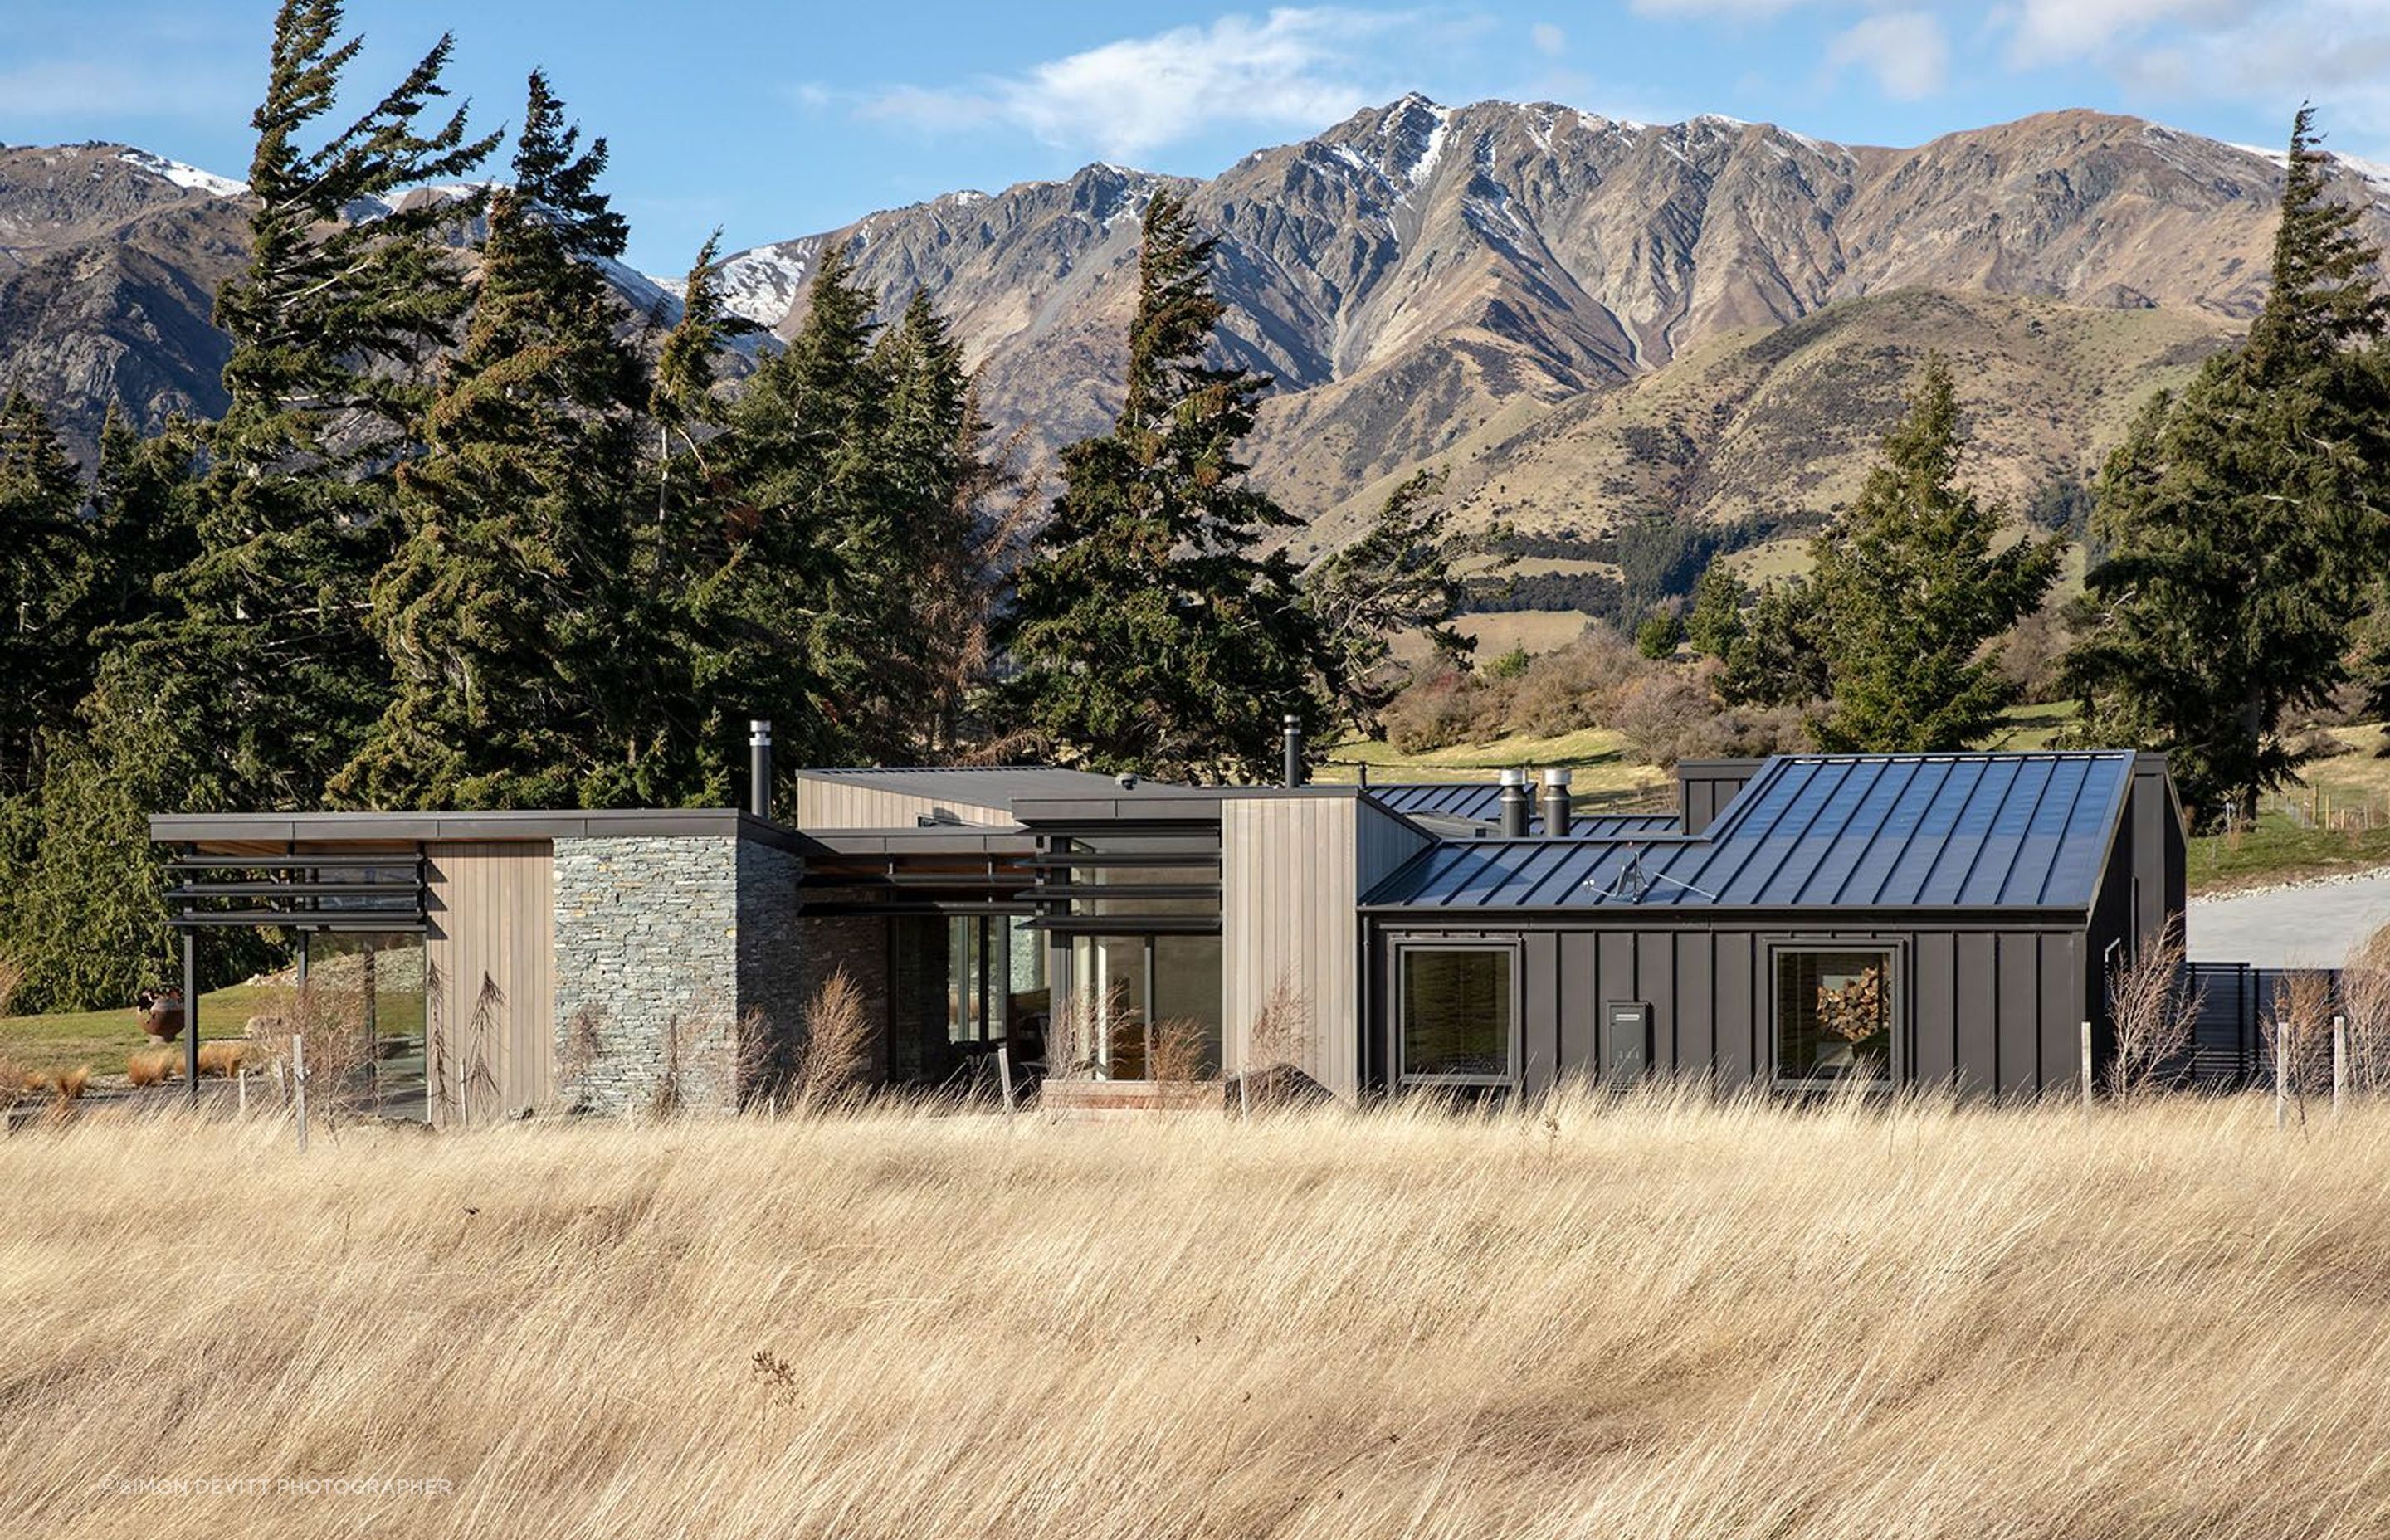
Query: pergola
232, 884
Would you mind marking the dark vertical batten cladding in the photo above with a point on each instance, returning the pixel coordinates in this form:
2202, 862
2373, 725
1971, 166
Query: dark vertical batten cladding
1705, 786
1991, 882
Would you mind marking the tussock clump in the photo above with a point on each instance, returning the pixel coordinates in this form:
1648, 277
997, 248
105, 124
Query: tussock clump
152, 1069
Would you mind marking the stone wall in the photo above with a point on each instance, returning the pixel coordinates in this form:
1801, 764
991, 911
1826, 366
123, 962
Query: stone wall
771, 976
859, 945
648, 972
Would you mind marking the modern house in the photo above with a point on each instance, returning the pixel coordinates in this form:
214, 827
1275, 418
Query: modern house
1803, 921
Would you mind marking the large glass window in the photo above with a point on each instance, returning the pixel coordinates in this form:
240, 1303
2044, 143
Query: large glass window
1833, 1015
373, 986
1128, 987
1458, 1013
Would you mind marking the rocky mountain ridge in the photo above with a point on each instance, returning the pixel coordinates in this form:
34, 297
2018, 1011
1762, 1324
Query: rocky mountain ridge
1425, 283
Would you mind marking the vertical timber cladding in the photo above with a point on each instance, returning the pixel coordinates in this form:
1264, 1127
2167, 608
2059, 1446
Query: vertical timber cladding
1292, 870
489, 990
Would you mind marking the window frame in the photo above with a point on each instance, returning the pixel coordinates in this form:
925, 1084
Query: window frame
1514, 1050
1895, 956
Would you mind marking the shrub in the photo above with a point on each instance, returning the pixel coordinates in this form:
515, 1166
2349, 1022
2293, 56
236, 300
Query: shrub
1658, 635
1573, 687
837, 1049
2155, 1009
1511, 664
1438, 711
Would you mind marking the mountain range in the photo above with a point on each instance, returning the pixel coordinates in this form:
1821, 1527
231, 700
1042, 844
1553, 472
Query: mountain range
1585, 319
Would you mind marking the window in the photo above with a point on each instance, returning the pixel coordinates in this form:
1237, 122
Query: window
958, 986
1833, 1016
1458, 1015
1129, 987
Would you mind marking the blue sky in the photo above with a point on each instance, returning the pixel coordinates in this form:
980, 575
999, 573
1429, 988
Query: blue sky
779, 120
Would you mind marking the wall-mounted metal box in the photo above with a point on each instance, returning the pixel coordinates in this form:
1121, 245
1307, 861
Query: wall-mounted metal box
1626, 1041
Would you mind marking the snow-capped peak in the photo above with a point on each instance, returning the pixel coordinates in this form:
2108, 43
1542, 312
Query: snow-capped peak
182, 175
762, 283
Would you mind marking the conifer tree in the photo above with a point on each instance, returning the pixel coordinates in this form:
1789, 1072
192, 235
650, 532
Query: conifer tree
45, 565
1395, 580
1776, 655
1151, 632
1917, 597
329, 322
2244, 517
938, 575
1716, 622
783, 601
500, 612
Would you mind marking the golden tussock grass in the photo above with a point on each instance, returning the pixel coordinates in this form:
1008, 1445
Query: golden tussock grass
152, 1069
1655, 1319
222, 1057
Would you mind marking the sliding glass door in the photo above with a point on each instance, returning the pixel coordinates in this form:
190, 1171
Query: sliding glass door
960, 986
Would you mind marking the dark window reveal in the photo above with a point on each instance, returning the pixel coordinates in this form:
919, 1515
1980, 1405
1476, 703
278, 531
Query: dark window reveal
1459, 1012
1833, 1016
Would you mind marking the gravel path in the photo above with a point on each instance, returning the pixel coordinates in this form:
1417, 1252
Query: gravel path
2307, 924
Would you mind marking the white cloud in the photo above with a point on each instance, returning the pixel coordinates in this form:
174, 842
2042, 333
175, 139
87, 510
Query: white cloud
1549, 40
2052, 32
1907, 51
1292, 69
2265, 53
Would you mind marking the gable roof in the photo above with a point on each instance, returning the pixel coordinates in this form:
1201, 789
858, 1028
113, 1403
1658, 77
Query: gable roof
1811, 831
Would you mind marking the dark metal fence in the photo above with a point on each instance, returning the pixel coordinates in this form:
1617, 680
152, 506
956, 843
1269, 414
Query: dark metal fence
2228, 1050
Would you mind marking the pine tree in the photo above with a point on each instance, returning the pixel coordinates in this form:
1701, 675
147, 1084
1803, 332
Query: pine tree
1917, 595
2244, 520
937, 576
1777, 657
500, 611
1396, 580
1151, 632
783, 599
46, 565
329, 323
1716, 622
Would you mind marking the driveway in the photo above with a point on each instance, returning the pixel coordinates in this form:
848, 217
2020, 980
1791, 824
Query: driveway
2312, 925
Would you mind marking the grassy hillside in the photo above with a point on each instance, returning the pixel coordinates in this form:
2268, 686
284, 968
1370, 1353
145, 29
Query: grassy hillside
1773, 422
1587, 1317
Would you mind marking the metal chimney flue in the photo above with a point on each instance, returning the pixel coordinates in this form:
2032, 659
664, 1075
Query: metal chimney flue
1556, 803
759, 767
1514, 803
1293, 735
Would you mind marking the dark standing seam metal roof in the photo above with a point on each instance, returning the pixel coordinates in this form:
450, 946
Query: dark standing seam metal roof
1962, 831
1476, 802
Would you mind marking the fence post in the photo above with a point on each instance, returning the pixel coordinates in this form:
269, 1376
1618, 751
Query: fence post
299, 1079
2281, 1077
2339, 1063
2086, 1074
241, 1109
1004, 1074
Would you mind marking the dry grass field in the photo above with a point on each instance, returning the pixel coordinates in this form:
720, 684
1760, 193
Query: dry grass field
1652, 1318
